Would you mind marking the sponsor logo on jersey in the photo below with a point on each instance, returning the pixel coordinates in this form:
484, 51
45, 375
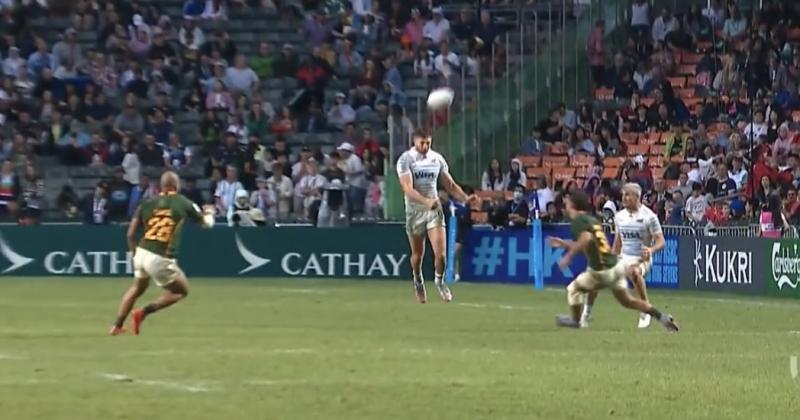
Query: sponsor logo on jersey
424, 175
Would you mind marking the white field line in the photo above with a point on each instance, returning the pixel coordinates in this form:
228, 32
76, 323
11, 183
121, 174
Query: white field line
305, 291
176, 386
30, 381
6, 356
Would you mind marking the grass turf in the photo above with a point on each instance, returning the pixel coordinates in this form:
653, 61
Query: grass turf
323, 349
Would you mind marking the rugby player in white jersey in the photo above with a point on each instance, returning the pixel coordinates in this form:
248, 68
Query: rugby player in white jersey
637, 237
419, 170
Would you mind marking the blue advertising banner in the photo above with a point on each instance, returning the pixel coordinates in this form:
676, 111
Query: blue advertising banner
507, 256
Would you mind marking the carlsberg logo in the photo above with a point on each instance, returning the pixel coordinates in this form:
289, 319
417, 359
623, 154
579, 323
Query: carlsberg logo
716, 266
785, 265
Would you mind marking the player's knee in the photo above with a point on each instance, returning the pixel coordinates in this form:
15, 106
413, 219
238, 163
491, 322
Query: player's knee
440, 259
575, 295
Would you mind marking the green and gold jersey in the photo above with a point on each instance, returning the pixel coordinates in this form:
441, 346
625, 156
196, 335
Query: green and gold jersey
598, 253
163, 218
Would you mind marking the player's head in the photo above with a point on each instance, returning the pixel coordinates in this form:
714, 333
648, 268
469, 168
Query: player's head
577, 202
631, 196
422, 141
170, 182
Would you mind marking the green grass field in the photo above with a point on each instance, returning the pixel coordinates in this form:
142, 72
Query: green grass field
324, 349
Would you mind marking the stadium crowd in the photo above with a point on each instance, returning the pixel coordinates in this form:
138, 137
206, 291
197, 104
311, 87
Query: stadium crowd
115, 104
700, 107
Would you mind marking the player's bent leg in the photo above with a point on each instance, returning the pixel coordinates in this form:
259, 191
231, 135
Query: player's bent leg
625, 299
417, 243
137, 289
438, 239
576, 297
175, 288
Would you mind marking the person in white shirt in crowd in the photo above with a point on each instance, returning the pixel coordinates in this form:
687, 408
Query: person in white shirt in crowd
226, 190
436, 29
541, 196
354, 177
241, 214
715, 13
737, 172
493, 178
757, 128
262, 198
663, 25
240, 78
13, 63
190, 35
697, 204
283, 192
176, 155
301, 167
341, 113
447, 62
309, 188
640, 15
215, 10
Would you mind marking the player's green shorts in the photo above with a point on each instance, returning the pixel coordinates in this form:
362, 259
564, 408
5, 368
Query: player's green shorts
419, 222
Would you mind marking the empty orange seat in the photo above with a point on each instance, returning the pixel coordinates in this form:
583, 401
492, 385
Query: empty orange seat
655, 161
613, 162
558, 149
530, 160
535, 172
582, 160
651, 138
610, 173
555, 161
658, 149
563, 174
638, 149
629, 138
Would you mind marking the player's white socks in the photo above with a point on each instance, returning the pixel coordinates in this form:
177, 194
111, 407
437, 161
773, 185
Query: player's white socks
438, 279
587, 309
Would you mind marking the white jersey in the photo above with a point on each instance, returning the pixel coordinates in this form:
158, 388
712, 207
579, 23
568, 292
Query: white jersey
636, 230
425, 170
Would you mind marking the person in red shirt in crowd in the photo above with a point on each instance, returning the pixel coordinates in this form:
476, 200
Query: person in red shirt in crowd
792, 205
367, 142
97, 151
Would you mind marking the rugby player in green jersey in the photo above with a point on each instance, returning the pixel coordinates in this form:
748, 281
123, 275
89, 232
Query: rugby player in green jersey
604, 269
154, 258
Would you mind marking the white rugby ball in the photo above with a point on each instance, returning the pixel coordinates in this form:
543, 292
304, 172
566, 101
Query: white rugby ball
441, 98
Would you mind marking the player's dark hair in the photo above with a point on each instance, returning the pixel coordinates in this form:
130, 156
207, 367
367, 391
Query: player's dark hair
421, 133
580, 201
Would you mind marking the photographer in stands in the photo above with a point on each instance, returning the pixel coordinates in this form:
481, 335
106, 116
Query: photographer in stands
241, 214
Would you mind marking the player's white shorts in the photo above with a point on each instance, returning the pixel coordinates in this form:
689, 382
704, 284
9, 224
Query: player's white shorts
162, 270
419, 222
638, 264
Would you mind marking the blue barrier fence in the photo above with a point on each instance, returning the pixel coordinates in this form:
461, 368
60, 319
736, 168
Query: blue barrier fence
508, 256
